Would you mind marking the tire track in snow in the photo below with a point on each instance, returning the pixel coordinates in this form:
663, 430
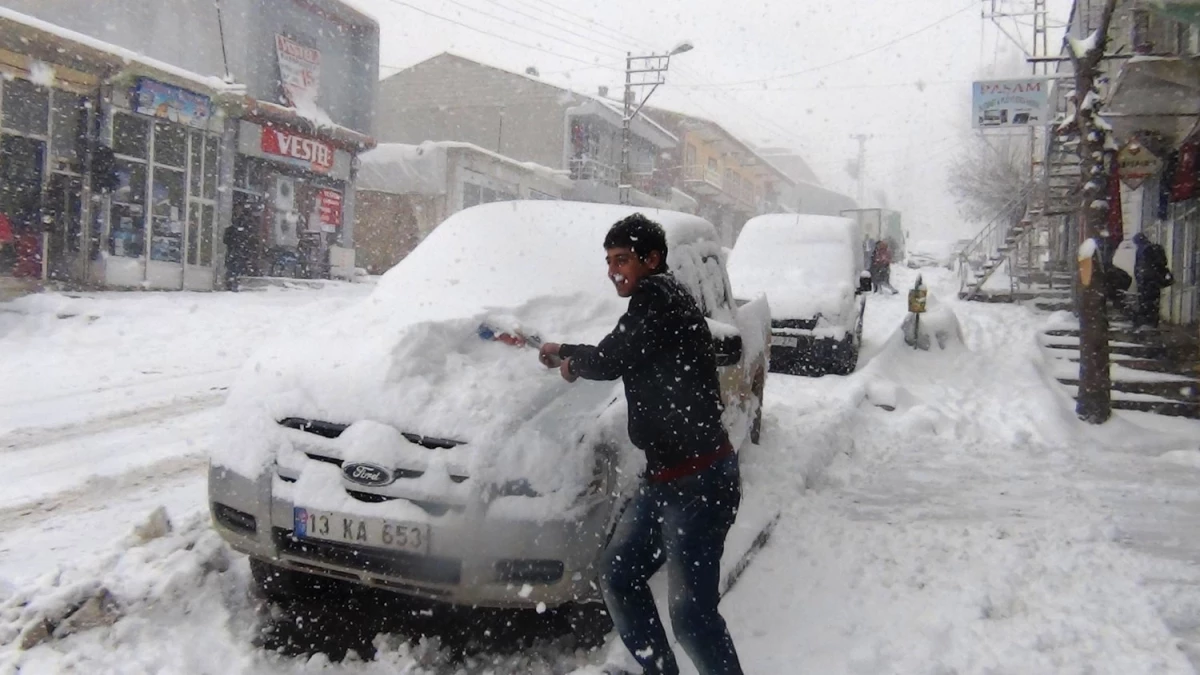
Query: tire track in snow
24, 439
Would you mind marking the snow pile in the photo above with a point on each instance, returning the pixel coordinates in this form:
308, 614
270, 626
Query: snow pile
410, 358
937, 326
805, 265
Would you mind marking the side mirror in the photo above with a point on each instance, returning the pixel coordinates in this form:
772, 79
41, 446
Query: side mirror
864, 282
728, 347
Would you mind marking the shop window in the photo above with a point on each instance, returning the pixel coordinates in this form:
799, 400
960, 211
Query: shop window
166, 225
70, 116
196, 167
26, 108
170, 145
128, 234
471, 195
131, 135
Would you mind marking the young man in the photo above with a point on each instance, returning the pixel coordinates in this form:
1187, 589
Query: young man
691, 490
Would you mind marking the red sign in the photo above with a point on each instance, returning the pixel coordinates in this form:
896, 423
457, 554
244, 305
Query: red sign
329, 209
317, 154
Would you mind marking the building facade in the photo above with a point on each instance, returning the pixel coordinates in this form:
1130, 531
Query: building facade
452, 98
405, 191
184, 118
729, 179
1151, 90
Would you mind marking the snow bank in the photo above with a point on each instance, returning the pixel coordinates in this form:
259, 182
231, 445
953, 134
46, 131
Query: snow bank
937, 327
805, 265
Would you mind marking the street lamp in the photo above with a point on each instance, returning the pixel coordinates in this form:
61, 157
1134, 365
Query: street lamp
652, 70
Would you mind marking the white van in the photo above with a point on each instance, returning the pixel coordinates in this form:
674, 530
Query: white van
811, 270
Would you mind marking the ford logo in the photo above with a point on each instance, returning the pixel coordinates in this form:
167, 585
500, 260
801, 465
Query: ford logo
371, 475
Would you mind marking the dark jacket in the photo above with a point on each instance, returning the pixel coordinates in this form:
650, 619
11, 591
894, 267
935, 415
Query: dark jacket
664, 351
1152, 271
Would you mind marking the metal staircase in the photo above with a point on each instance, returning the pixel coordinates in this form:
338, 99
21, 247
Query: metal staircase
990, 249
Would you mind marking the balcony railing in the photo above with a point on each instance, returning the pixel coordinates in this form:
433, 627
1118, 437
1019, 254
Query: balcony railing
702, 174
586, 169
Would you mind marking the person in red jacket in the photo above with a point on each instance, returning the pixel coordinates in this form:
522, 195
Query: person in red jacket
881, 267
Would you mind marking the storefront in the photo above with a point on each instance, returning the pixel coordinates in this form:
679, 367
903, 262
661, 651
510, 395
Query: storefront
290, 189
161, 225
41, 178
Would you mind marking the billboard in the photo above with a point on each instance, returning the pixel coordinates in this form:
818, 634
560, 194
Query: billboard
1006, 104
157, 99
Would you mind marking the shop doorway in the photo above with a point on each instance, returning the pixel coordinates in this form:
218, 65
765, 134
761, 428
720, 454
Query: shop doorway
63, 210
244, 247
22, 161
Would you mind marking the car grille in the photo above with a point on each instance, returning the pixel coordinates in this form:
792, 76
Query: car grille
800, 324
334, 429
410, 566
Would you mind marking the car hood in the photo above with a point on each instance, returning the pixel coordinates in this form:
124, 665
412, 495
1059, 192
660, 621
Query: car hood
387, 376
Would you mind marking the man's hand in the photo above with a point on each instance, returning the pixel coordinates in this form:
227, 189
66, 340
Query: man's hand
548, 355
564, 369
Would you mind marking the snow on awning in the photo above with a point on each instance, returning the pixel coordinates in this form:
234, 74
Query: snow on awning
1155, 94
314, 122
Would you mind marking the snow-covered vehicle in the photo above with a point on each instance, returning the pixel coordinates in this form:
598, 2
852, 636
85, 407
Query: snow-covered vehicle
811, 270
395, 448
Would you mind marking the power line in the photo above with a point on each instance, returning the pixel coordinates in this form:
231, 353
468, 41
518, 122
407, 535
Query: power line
542, 20
527, 28
590, 23
469, 27
851, 57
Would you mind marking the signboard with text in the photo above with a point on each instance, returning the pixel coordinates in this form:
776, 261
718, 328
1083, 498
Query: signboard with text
1135, 164
154, 98
310, 153
329, 209
1007, 104
299, 71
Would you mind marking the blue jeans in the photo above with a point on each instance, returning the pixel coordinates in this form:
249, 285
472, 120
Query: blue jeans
683, 524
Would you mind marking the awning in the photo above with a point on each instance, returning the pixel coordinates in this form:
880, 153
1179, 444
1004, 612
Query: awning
1157, 95
264, 112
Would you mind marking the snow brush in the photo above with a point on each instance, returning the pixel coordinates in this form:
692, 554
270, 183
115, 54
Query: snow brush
514, 338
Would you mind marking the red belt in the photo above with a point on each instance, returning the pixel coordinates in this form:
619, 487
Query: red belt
692, 466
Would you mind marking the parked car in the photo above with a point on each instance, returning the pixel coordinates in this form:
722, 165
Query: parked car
811, 270
395, 448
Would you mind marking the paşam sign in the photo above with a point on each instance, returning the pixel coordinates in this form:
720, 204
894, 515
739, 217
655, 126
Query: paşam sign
299, 71
329, 209
316, 154
999, 104
1135, 164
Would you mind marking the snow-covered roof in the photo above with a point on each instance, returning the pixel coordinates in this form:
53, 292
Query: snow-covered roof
400, 168
207, 82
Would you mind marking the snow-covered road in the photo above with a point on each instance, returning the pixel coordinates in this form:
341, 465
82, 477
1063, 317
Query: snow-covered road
976, 528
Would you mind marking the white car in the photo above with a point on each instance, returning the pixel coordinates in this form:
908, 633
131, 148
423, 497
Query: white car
811, 270
414, 443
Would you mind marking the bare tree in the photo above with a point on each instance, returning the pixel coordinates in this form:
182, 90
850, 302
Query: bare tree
1096, 148
986, 175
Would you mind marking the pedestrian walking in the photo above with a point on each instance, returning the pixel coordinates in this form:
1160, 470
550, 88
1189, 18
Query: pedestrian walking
1152, 275
881, 267
238, 239
689, 495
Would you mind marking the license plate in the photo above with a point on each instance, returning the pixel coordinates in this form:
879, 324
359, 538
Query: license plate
372, 532
784, 341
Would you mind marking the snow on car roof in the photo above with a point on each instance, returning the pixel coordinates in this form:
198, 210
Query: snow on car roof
804, 264
507, 253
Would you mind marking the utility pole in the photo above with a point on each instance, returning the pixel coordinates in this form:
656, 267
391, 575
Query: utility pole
862, 166
652, 72
1094, 401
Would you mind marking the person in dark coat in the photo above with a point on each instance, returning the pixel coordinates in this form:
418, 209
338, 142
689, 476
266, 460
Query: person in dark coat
881, 267
689, 495
238, 239
1152, 275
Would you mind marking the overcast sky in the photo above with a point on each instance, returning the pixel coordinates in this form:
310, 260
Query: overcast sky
806, 74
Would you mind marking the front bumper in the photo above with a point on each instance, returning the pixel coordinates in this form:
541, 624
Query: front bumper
487, 563
811, 355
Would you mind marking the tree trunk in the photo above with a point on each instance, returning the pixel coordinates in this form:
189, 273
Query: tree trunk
1094, 401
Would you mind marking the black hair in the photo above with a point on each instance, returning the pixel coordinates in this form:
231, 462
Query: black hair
639, 233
